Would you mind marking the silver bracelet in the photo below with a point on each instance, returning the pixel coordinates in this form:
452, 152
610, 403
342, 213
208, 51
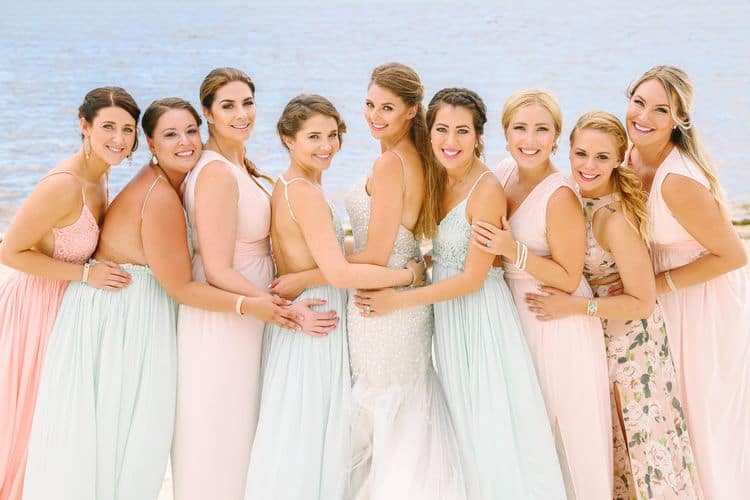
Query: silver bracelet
238, 304
413, 276
85, 275
670, 283
522, 253
592, 308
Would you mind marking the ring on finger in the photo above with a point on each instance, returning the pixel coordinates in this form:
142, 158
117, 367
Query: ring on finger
368, 309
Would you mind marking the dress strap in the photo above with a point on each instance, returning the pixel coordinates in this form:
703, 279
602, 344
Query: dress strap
288, 183
83, 192
403, 169
473, 186
148, 193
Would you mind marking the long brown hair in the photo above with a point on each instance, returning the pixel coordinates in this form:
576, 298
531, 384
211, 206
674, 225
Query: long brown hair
405, 83
216, 79
105, 97
680, 92
625, 181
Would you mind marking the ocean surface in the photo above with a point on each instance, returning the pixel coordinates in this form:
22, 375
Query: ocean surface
586, 52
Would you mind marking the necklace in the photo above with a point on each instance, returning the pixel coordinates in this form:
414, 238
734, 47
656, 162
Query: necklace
466, 173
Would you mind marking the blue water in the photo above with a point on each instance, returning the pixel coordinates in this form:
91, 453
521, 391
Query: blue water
586, 52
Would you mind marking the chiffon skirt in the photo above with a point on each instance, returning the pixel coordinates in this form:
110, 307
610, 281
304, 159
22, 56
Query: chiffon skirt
302, 444
493, 395
105, 412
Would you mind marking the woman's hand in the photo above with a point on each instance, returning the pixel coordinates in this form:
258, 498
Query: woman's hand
288, 286
494, 240
376, 302
108, 276
551, 304
418, 268
272, 309
317, 324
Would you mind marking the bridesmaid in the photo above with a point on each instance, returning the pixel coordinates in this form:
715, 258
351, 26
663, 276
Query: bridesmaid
302, 448
229, 214
103, 425
395, 391
704, 294
480, 352
49, 241
545, 243
652, 453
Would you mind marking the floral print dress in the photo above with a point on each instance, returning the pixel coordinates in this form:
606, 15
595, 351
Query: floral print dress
652, 453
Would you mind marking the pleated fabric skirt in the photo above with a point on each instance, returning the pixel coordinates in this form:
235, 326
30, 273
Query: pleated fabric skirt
493, 394
302, 444
105, 412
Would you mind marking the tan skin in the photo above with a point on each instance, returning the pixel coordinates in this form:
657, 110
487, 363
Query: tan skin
231, 119
159, 238
453, 140
311, 241
57, 201
531, 136
389, 119
593, 158
649, 124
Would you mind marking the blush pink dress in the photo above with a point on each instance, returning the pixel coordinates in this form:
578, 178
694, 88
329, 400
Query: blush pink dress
219, 355
708, 326
28, 307
569, 356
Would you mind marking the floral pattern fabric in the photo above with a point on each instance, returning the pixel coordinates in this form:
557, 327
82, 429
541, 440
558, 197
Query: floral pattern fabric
653, 457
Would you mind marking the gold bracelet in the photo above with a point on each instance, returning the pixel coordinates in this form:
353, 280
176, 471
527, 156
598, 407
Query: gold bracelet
238, 304
670, 283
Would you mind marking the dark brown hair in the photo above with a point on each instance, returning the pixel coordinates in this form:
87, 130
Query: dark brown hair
106, 97
160, 106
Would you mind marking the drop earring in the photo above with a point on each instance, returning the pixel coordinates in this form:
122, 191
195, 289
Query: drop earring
154, 160
87, 148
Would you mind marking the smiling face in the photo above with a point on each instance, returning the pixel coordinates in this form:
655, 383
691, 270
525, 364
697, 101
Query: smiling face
176, 141
111, 134
593, 158
387, 115
232, 113
531, 135
453, 137
316, 142
648, 117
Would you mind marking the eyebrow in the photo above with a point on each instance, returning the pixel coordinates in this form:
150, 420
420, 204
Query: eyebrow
539, 123
113, 123
445, 125
639, 96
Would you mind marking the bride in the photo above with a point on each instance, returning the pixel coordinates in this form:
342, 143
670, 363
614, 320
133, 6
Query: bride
403, 443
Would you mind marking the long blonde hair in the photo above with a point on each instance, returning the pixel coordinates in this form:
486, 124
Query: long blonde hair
680, 93
405, 83
216, 79
625, 181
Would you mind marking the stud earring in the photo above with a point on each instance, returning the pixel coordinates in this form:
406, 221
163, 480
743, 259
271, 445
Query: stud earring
87, 148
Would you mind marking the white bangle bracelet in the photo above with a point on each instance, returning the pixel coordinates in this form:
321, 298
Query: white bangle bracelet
85, 275
238, 304
670, 283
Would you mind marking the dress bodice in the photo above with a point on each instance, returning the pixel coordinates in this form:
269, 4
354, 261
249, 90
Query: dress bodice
358, 205
599, 263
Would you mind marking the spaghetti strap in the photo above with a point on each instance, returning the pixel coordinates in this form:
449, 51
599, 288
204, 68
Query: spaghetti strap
148, 193
287, 183
477, 182
83, 192
403, 168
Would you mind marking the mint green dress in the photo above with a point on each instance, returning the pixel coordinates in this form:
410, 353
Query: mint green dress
489, 380
302, 444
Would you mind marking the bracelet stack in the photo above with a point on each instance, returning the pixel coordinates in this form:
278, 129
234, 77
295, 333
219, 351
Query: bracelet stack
522, 252
238, 304
85, 275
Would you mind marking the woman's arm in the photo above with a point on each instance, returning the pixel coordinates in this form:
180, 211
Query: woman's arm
164, 237
566, 236
387, 184
314, 220
634, 267
696, 210
216, 197
55, 200
486, 203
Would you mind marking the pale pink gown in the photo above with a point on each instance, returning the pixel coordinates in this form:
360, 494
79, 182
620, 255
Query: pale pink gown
569, 356
28, 307
708, 326
218, 376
